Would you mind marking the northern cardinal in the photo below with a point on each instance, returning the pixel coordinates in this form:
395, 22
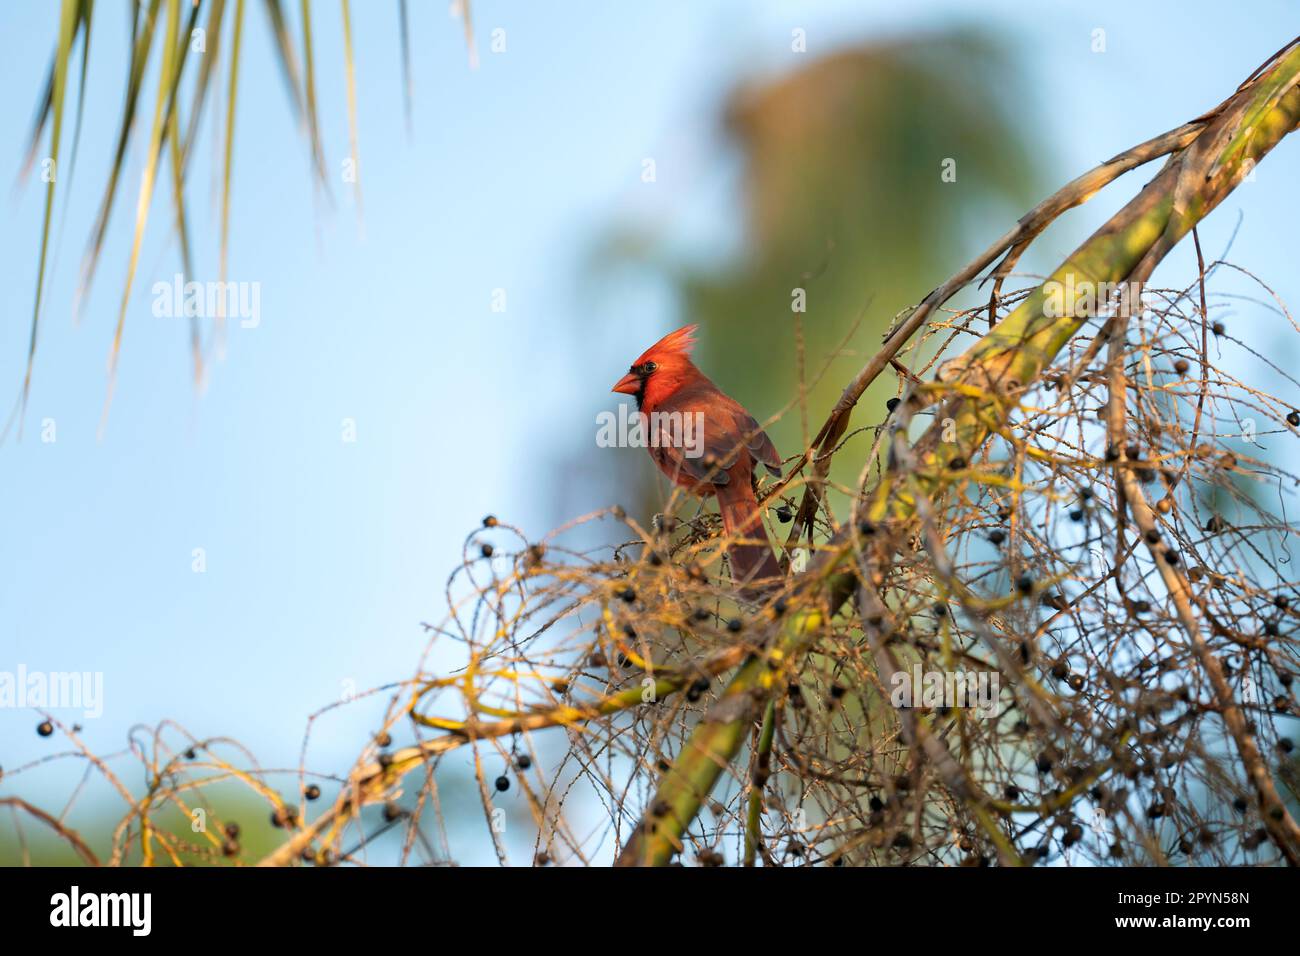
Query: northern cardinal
665, 380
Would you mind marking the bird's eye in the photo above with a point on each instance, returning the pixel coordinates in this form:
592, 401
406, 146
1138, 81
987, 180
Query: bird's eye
649, 367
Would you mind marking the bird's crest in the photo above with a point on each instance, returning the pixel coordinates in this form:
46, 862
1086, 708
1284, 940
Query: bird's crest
680, 343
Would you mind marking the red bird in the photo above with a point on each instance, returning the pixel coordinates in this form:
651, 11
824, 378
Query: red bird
720, 462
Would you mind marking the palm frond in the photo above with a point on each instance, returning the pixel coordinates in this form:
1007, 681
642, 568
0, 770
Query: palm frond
353, 138
407, 88
168, 86
176, 130
70, 19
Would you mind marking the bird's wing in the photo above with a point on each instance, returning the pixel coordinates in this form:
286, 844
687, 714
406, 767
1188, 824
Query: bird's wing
759, 445
716, 427
680, 445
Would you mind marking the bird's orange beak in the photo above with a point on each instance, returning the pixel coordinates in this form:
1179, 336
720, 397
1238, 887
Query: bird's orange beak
629, 384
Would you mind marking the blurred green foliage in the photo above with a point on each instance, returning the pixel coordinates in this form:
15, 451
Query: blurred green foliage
26, 841
844, 196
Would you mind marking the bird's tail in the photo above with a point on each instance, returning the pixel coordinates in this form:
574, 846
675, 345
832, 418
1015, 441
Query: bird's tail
752, 564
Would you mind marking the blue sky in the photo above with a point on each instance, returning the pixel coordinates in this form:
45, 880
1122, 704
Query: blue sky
323, 556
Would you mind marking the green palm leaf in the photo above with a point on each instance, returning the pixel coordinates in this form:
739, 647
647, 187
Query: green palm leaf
69, 21
172, 129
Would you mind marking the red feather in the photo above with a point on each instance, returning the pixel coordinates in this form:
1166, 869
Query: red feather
665, 380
